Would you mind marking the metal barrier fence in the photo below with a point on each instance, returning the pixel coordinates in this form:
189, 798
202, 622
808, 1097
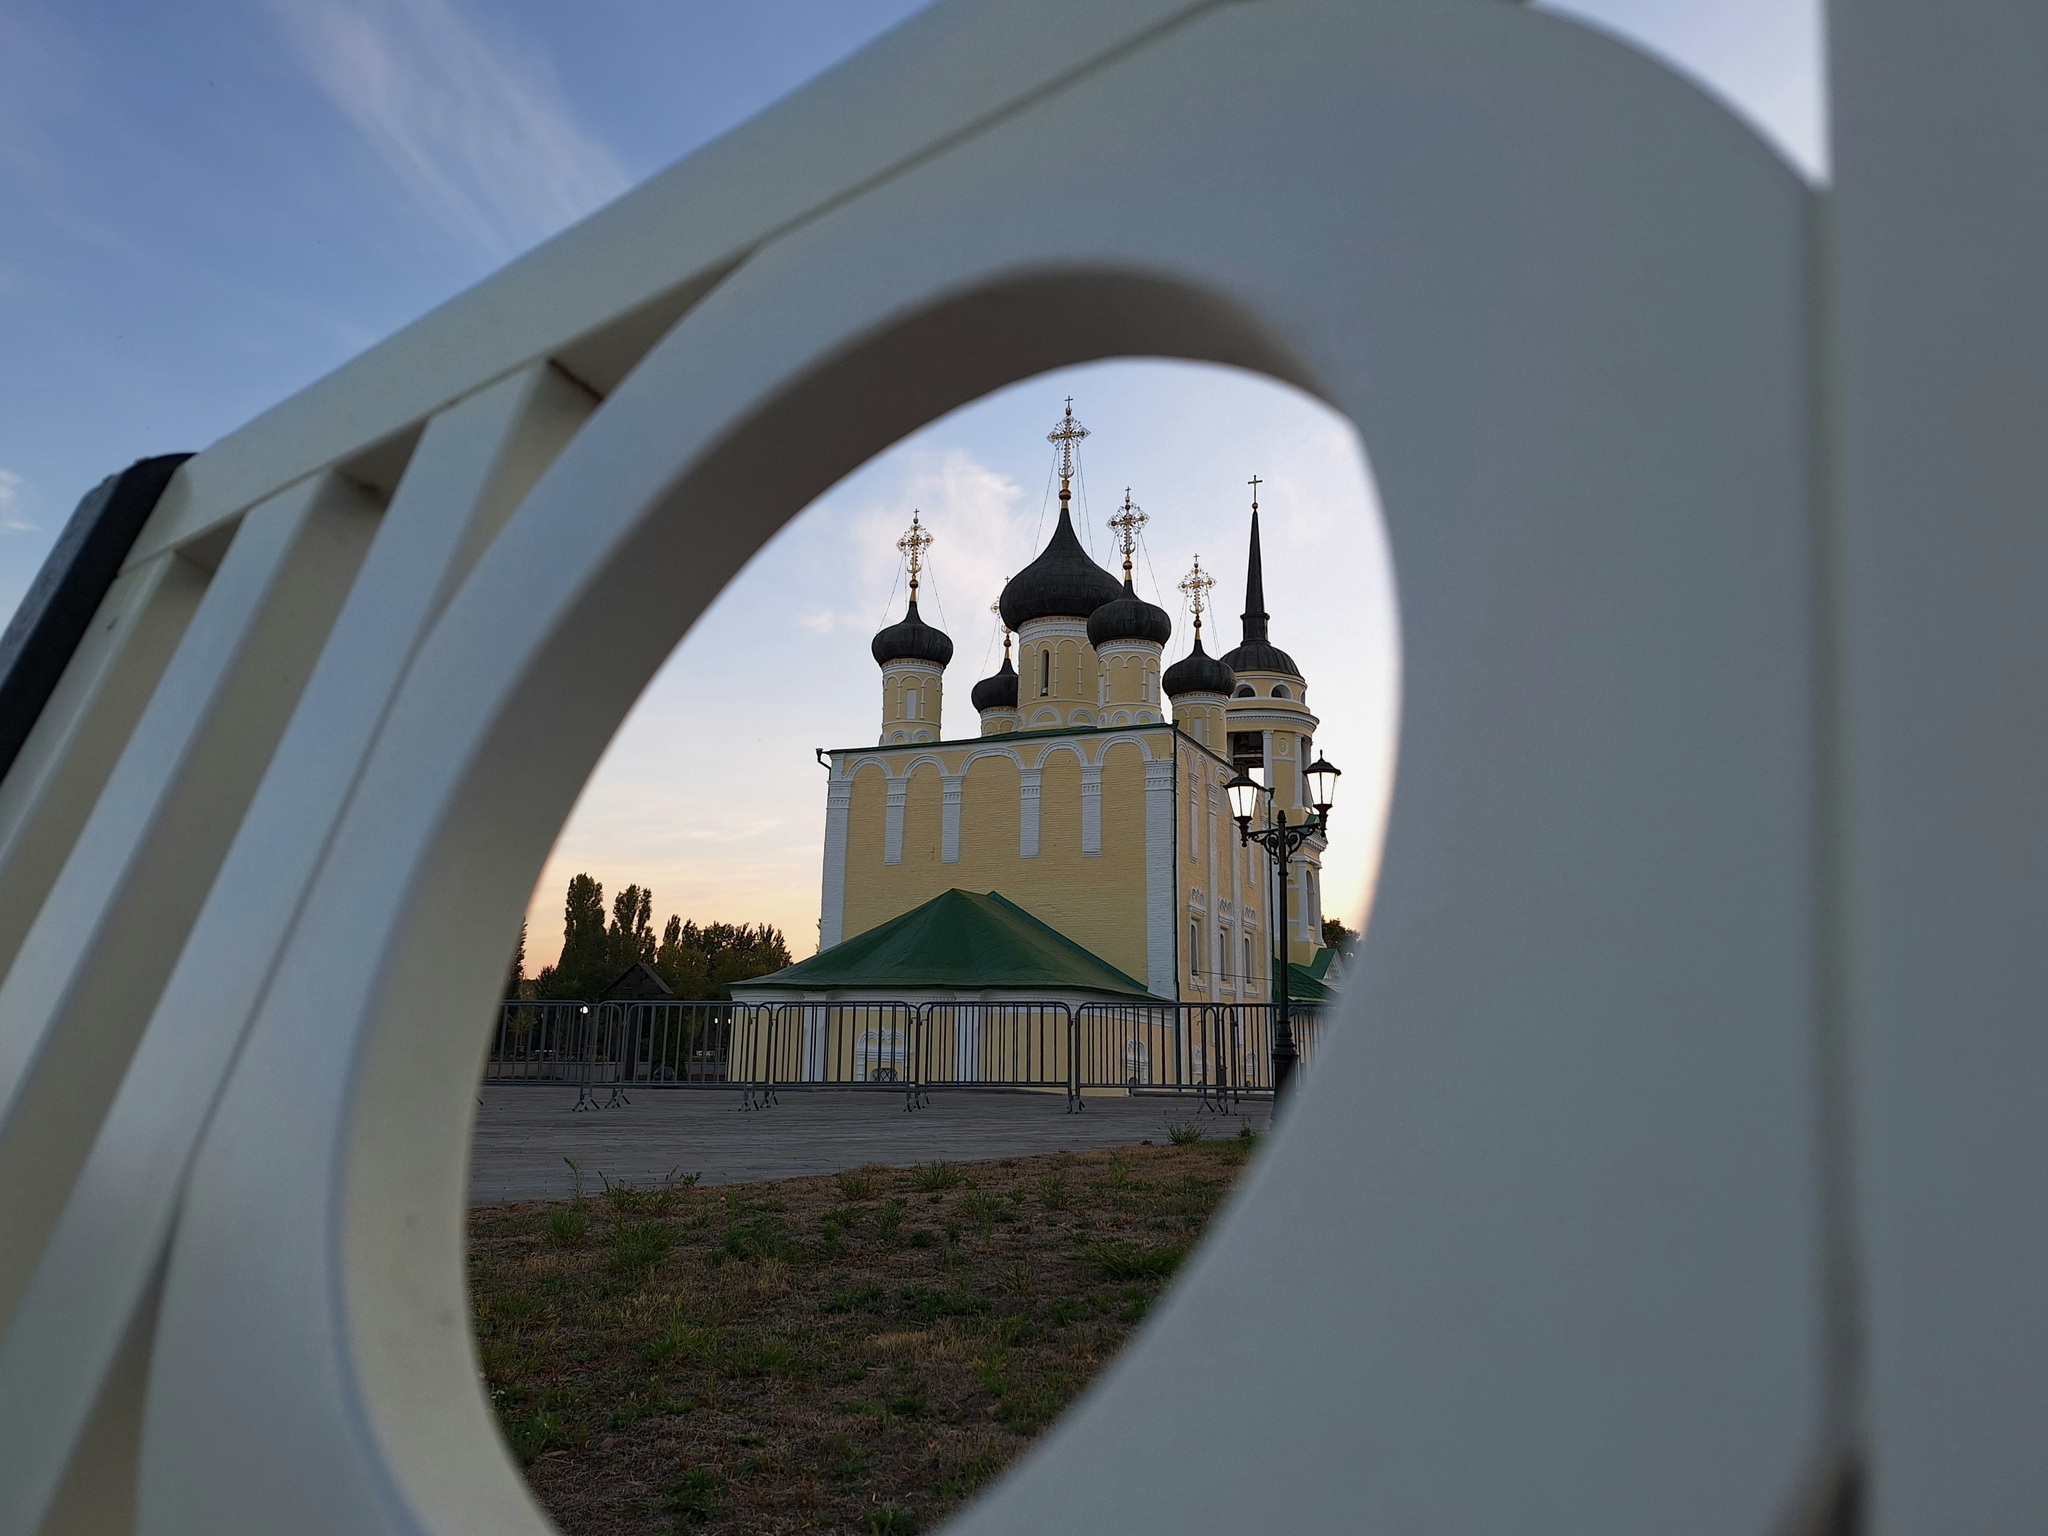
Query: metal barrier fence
1217, 1053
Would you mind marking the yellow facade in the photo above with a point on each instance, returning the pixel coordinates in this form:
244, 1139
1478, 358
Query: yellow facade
1081, 801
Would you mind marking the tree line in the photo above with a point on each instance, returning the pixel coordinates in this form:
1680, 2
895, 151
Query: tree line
696, 962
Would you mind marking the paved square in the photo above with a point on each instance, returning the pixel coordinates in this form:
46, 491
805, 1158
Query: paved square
523, 1134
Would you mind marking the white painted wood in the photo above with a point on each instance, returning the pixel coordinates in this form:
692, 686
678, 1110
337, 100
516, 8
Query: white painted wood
63, 765
74, 1002
1560, 1271
599, 294
1549, 1242
1941, 236
473, 464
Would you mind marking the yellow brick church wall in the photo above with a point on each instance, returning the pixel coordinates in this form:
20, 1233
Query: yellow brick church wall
1098, 901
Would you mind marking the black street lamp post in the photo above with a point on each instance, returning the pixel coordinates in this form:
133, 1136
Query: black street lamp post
1281, 843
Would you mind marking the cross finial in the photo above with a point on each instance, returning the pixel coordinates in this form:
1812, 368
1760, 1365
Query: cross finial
1196, 585
1066, 436
1126, 525
996, 608
1255, 482
914, 544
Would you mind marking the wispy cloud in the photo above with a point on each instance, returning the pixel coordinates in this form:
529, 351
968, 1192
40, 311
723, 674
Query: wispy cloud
12, 518
473, 125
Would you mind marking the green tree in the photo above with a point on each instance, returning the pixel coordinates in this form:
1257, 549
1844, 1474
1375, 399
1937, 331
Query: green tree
515, 976
1336, 936
703, 962
580, 972
631, 935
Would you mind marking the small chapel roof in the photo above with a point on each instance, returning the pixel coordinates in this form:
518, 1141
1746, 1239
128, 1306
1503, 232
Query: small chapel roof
959, 941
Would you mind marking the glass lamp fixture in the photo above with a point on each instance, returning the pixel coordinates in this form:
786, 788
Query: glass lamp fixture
1244, 795
1322, 779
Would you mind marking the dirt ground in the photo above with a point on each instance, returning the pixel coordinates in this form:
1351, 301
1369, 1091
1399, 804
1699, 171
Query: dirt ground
852, 1353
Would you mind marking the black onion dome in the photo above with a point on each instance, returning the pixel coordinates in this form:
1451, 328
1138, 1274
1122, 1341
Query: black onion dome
1198, 672
1260, 656
998, 691
1129, 617
912, 640
1061, 583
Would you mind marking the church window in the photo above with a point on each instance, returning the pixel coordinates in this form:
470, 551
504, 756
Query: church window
1044, 673
1223, 954
1248, 974
1194, 947
910, 702
1244, 691
1282, 691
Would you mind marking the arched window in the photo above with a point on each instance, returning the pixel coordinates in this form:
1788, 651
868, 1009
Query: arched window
1245, 691
910, 702
1282, 691
1045, 672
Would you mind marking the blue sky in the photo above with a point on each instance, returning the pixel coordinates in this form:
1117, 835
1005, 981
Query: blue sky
204, 207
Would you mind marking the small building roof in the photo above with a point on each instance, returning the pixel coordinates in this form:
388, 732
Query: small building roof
957, 941
639, 982
1310, 983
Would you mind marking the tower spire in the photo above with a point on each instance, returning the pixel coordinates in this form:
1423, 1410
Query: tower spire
1255, 614
914, 544
1125, 526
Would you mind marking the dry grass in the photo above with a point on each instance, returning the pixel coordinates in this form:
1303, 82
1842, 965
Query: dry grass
855, 1353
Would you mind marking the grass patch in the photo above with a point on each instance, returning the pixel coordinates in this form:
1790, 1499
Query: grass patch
857, 1353
1137, 1261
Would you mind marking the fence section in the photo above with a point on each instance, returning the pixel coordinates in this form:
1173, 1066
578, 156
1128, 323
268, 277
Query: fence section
1218, 1053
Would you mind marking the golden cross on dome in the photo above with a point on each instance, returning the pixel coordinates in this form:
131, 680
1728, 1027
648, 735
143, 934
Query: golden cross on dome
1196, 585
996, 608
1066, 437
1126, 525
914, 544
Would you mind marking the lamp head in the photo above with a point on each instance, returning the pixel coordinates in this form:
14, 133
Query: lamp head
1243, 792
1322, 779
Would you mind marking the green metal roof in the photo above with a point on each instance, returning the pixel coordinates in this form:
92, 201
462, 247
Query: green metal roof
1308, 983
959, 941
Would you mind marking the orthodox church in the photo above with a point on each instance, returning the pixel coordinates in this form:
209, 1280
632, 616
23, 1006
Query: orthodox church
1081, 844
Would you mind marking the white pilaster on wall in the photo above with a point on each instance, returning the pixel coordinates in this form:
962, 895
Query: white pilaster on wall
1159, 878
1091, 808
892, 835
1029, 782
832, 900
949, 822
